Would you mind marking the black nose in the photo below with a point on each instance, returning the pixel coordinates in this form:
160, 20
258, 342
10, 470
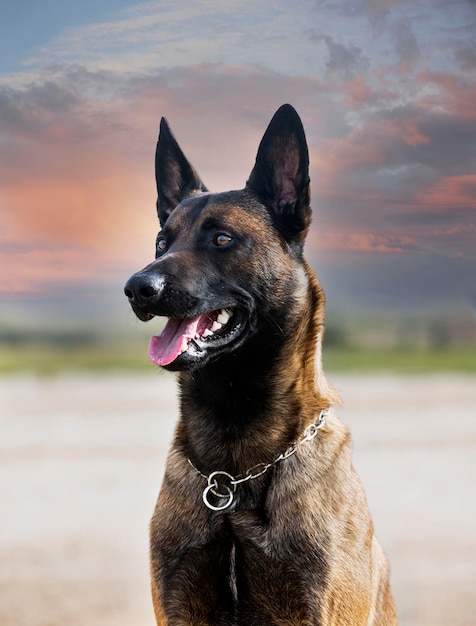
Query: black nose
143, 289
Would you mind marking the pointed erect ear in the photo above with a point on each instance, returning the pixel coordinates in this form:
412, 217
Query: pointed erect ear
280, 177
176, 178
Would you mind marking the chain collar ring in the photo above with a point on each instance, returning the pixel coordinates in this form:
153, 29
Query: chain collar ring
222, 486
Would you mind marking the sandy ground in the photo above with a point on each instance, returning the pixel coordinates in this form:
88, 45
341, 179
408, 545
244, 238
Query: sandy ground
81, 461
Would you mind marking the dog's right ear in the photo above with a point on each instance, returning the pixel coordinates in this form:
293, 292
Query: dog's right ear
176, 178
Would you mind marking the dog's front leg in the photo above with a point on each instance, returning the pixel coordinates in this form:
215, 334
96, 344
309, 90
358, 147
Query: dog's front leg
195, 590
190, 563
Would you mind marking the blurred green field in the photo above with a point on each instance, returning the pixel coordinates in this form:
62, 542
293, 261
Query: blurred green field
52, 359
401, 361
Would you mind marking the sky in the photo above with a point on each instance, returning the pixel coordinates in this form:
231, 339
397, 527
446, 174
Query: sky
386, 90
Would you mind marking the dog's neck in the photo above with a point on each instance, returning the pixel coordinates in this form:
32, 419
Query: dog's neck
247, 400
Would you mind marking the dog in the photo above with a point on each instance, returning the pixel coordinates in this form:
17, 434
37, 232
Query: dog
261, 519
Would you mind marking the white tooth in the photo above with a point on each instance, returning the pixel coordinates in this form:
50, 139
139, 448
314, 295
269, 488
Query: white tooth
207, 333
216, 326
223, 317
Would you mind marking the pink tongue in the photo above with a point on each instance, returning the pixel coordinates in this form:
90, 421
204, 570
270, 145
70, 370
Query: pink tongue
165, 348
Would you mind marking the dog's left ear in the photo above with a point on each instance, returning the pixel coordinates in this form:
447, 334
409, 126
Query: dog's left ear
175, 176
280, 177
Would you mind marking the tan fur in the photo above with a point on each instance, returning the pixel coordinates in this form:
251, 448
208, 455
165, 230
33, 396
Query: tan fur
325, 497
296, 547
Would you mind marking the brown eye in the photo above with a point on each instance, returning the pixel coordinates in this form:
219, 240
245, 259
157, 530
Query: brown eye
221, 239
161, 244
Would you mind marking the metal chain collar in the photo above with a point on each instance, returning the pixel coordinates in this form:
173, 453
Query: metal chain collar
223, 485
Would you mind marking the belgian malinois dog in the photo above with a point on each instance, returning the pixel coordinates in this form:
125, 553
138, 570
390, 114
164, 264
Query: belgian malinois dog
261, 519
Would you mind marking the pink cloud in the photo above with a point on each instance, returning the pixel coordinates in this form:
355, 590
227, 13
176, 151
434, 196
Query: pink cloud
451, 192
357, 93
410, 131
362, 242
457, 93
78, 178
338, 155
370, 145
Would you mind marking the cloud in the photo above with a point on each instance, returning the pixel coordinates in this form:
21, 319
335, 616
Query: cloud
363, 242
79, 164
79, 167
69, 179
372, 9
343, 61
465, 55
406, 45
359, 94
154, 35
390, 127
452, 192
396, 282
453, 93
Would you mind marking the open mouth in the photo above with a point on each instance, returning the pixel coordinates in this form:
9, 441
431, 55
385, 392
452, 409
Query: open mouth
195, 335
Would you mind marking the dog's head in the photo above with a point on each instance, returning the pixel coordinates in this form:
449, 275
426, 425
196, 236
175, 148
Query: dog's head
226, 263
